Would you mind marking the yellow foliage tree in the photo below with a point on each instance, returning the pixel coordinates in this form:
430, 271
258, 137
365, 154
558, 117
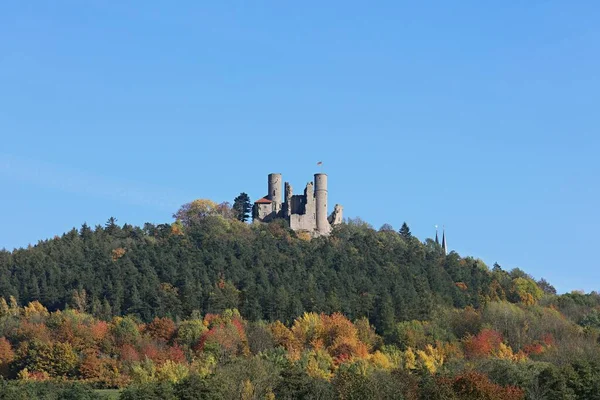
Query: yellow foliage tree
172, 372
527, 290
410, 360
195, 211
394, 355
284, 337
505, 352
308, 328
366, 333
26, 375
381, 361
302, 235
204, 365
143, 372
4, 310
270, 395
247, 390
319, 364
35, 310
177, 228
432, 358
450, 350
13, 308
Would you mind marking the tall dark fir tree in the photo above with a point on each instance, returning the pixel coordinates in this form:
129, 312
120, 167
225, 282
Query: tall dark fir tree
405, 231
242, 207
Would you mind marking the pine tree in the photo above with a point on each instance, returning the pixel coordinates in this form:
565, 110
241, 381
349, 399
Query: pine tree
111, 225
85, 232
242, 207
405, 231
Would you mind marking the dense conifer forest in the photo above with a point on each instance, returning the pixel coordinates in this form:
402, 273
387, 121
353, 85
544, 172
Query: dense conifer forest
212, 307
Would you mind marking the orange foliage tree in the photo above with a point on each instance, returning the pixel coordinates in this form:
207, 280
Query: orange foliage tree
477, 386
483, 344
335, 334
226, 335
161, 329
7, 355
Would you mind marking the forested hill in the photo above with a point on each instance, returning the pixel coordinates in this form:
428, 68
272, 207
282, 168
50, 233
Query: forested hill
268, 272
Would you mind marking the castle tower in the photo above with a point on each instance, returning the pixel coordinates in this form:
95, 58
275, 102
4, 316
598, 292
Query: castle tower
323, 226
275, 188
287, 202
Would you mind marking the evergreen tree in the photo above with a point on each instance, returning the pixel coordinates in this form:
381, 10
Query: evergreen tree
242, 207
86, 232
405, 231
111, 225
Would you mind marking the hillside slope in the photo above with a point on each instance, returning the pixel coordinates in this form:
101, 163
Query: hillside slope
266, 271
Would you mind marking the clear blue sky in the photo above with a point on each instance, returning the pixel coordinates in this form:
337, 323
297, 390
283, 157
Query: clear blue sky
483, 118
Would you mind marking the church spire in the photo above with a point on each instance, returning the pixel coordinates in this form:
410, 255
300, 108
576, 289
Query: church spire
437, 241
444, 245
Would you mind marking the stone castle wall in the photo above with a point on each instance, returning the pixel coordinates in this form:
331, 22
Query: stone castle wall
306, 212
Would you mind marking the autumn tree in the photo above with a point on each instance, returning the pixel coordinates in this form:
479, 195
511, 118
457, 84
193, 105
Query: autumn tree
56, 359
526, 290
124, 330
483, 344
195, 211
161, 329
7, 355
226, 336
225, 210
189, 332
80, 298
476, 386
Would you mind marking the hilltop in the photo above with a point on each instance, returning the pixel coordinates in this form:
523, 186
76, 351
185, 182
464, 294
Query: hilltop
186, 309
212, 263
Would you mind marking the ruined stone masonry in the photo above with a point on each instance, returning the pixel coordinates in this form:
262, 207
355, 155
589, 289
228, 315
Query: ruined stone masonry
304, 212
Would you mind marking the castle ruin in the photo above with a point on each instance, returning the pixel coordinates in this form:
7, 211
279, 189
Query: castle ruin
305, 212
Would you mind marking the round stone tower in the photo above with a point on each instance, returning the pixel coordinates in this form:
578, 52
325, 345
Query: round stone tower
275, 188
323, 226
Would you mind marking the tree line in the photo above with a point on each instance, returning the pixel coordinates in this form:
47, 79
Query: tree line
208, 260
173, 310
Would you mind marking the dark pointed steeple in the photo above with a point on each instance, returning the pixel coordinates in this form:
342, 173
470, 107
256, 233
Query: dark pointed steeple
437, 241
444, 245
